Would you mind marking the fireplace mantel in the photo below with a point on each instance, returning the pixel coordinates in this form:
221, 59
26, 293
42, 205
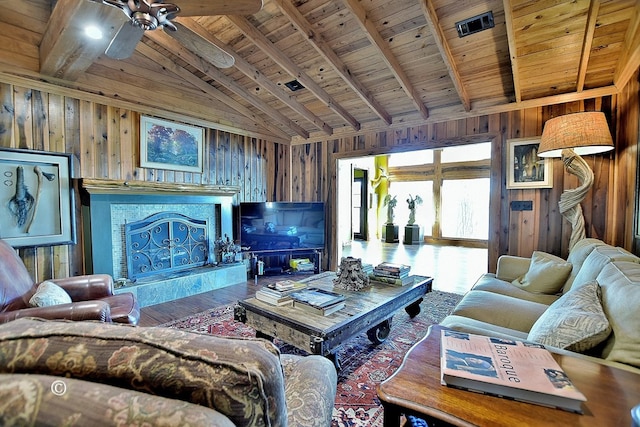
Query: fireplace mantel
111, 186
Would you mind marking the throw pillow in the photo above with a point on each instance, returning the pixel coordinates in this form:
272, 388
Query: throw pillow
575, 322
546, 275
47, 294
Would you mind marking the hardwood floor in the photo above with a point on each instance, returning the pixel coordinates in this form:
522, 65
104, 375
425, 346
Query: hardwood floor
454, 269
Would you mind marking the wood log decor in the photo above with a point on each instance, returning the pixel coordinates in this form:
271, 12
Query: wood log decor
104, 141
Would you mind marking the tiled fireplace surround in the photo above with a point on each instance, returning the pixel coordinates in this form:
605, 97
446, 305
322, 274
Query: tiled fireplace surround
108, 205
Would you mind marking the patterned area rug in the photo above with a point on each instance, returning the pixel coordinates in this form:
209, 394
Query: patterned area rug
363, 365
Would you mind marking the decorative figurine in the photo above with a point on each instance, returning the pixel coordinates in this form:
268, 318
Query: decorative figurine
351, 276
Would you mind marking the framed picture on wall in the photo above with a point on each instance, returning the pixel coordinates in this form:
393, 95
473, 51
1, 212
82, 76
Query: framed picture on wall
525, 169
37, 198
170, 145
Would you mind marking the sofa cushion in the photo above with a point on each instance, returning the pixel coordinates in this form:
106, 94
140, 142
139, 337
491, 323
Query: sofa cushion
546, 275
241, 378
488, 282
620, 283
43, 400
499, 310
597, 259
578, 255
575, 322
48, 294
300, 373
473, 326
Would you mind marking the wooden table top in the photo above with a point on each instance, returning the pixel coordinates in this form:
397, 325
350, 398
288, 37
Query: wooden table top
358, 304
416, 387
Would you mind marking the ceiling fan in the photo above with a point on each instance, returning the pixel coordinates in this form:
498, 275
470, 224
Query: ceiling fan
146, 15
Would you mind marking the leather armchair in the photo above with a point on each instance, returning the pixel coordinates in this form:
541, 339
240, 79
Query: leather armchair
91, 295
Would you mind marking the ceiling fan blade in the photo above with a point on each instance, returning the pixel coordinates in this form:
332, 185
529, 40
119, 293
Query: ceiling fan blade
218, 7
198, 44
125, 41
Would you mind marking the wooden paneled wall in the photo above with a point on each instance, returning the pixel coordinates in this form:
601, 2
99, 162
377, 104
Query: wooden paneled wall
608, 208
104, 140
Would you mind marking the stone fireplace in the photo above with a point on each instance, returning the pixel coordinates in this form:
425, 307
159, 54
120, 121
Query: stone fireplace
158, 237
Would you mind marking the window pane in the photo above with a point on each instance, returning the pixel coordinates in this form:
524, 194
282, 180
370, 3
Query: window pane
465, 208
465, 153
424, 211
409, 158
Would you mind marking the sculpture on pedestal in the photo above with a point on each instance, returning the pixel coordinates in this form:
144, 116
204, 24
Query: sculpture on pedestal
390, 203
413, 201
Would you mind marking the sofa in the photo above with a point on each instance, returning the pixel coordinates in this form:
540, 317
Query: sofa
93, 373
587, 305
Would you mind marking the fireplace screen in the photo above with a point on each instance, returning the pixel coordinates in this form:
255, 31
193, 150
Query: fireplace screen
164, 243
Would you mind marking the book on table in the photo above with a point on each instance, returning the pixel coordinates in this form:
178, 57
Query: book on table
318, 301
279, 293
394, 281
393, 270
511, 369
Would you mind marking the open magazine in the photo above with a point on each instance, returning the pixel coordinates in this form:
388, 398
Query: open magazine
512, 369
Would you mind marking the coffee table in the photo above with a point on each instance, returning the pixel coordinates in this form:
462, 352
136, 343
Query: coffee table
369, 310
415, 389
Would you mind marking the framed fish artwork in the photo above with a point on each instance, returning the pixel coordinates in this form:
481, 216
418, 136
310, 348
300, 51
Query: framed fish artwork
36, 198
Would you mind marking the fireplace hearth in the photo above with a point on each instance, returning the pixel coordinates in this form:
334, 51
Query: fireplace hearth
169, 232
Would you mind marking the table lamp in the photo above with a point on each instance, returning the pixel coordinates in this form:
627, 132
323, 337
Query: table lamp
570, 136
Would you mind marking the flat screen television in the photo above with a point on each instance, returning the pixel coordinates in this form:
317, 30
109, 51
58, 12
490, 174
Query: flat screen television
269, 226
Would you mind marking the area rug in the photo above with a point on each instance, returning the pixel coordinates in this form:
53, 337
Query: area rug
363, 364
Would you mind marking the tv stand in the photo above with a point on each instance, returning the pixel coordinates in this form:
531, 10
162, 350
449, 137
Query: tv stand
277, 261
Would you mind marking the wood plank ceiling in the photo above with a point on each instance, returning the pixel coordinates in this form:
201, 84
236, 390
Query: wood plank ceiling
364, 65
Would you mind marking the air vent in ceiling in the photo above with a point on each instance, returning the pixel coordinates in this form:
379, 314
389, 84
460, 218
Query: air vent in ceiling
476, 24
294, 85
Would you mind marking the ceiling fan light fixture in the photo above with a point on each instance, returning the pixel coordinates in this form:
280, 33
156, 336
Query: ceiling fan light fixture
93, 32
144, 20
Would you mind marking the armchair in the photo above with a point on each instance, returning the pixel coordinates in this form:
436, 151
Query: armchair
91, 295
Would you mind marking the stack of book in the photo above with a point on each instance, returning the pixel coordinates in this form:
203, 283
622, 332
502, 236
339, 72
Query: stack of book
511, 369
318, 301
391, 273
279, 293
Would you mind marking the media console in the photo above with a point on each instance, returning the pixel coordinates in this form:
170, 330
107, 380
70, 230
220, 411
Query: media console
276, 261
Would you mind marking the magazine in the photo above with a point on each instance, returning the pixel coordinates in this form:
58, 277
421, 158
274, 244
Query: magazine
512, 369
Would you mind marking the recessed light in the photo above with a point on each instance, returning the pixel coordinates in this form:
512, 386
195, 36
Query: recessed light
93, 32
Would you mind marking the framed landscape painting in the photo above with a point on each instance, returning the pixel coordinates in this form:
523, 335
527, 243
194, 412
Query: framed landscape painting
170, 145
525, 168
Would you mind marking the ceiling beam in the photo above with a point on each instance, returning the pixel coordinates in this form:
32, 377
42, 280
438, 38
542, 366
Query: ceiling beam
173, 46
587, 42
253, 34
436, 31
318, 42
205, 87
629, 59
449, 115
188, 24
513, 50
66, 52
389, 58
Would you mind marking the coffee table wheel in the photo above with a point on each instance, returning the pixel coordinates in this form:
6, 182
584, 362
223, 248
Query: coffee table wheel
379, 333
413, 309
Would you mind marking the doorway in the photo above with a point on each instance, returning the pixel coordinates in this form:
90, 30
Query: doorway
360, 204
